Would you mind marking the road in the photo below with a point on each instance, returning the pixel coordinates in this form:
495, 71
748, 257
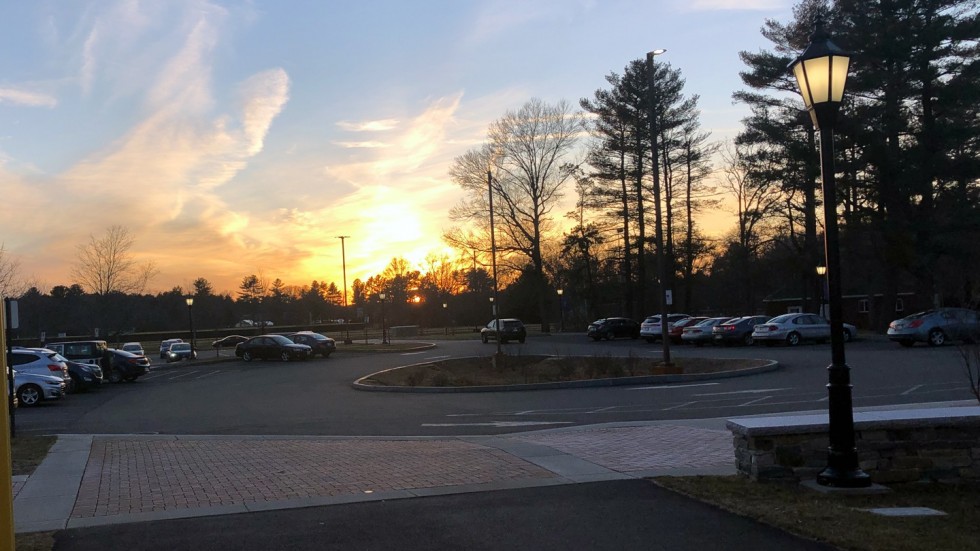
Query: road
315, 397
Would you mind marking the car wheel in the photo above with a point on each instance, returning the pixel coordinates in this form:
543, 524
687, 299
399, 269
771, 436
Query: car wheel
937, 337
284, 356
30, 395
793, 339
115, 377
130, 379
651, 340
748, 340
609, 336
597, 339
485, 339
76, 384
247, 356
847, 335
906, 342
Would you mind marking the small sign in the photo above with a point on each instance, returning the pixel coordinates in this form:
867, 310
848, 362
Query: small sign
669, 297
13, 318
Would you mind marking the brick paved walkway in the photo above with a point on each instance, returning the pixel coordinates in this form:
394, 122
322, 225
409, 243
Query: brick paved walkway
640, 448
139, 475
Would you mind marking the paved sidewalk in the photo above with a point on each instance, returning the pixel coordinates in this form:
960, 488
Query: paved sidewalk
110, 479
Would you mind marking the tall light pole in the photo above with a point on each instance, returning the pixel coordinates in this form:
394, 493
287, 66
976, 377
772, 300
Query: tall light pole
445, 315
657, 208
190, 317
821, 72
343, 262
493, 261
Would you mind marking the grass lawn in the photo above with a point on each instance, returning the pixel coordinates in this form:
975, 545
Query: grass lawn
512, 370
843, 520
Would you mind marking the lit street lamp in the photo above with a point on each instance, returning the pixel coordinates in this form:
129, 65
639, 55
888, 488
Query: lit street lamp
822, 271
821, 71
190, 317
445, 315
384, 329
561, 310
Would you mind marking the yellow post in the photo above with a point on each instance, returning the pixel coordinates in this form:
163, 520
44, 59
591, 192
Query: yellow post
6, 464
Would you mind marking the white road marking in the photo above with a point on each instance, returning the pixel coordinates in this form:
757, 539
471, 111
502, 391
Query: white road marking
411, 353
438, 357
209, 374
750, 402
685, 404
759, 391
670, 386
182, 375
498, 424
911, 390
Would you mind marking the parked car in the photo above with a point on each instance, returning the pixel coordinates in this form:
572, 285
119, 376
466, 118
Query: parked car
613, 328
796, 328
134, 347
650, 327
86, 352
319, 344
82, 376
230, 340
165, 345
120, 365
736, 330
39, 361
180, 351
676, 329
510, 329
700, 333
31, 388
936, 327
267, 347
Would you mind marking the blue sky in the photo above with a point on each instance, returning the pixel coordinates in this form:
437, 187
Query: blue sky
234, 138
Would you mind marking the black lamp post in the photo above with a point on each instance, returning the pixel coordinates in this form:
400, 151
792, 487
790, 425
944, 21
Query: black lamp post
822, 272
561, 309
657, 209
384, 328
821, 71
190, 317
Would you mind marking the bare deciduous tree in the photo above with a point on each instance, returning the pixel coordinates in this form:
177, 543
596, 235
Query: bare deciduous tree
105, 265
10, 287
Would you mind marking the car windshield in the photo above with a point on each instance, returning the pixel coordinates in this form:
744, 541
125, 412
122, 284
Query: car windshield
178, 347
783, 318
281, 340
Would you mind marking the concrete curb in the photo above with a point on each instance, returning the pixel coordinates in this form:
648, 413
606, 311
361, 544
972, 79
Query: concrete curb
770, 365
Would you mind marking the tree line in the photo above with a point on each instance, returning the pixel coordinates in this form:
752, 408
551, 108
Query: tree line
908, 161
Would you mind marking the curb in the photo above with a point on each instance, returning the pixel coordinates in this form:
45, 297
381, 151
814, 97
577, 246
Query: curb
770, 365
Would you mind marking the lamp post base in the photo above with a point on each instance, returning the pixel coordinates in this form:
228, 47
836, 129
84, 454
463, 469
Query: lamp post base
844, 478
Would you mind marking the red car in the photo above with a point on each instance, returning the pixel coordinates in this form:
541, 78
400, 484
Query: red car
677, 328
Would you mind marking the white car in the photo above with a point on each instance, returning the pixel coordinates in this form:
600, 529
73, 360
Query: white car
133, 348
650, 328
39, 361
31, 389
796, 328
165, 346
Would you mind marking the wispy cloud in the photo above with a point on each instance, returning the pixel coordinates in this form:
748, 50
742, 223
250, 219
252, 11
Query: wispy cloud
369, 126
27, 97
362, 145
731, 5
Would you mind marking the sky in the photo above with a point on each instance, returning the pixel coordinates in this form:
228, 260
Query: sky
242, 137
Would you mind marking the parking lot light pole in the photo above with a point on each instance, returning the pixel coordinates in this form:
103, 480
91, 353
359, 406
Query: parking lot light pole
190, 317
821, 72
822, 272
657, 207
343, 264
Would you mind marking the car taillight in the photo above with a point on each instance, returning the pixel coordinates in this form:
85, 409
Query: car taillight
915, 324
772, 328
55, 367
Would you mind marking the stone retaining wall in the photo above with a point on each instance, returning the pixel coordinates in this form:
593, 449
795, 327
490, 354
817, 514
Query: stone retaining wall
895, 446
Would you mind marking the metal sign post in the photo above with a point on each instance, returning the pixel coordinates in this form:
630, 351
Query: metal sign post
6, 463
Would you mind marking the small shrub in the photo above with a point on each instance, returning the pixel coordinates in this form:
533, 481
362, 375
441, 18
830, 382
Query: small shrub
415, 378
440, 379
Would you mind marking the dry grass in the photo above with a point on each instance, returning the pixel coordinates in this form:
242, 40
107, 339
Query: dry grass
27, 452
842, 520
512, 370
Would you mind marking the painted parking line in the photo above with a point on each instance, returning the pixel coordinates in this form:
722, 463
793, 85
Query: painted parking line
664, 387
752, 391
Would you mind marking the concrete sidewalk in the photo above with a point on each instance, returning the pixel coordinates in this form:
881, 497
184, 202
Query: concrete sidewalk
97, 480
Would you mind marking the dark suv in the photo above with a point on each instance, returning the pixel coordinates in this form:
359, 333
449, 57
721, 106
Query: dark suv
612, 328
319, 344
510, 329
